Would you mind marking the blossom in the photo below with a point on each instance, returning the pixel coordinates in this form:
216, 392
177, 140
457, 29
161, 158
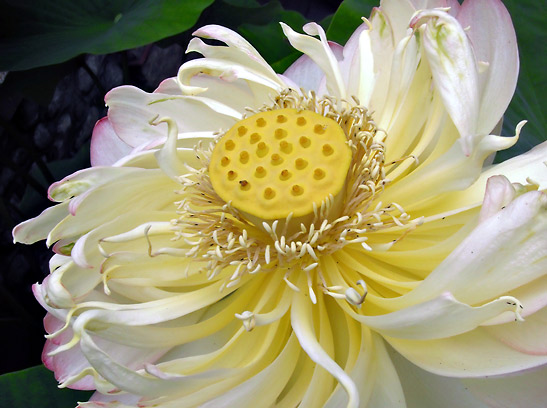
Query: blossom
252, 239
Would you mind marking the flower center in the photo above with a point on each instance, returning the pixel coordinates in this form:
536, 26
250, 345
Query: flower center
279, 162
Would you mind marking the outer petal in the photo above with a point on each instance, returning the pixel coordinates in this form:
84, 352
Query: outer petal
499, 193
357, 65
106, 147
239, 50
320, 53
383, 47
441, 317
37, 228
453, 67
423, 389
505, 251
522, 390
132, 110
494, 41
472, 354
528, 338
426, 390
305, 73
398, 13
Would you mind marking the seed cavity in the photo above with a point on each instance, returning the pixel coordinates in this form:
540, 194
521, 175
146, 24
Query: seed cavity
244, 157
225, 161
285, 175
260, 172
262, 149
285, 147
301, 121
261, 122
269, 193
327, 149
241, 130
281, 119
297, 190
304, 141
232, 175
280, 133
276, 159
319, 129
318, 174
255, 137
229, 145
300, 163
244, 185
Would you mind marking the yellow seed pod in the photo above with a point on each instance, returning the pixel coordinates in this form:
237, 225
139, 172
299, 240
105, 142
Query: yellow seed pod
281, 161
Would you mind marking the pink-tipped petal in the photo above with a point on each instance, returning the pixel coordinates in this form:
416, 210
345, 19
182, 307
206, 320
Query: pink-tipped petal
528, 337
499, 193
494, 41
169, 86
305, 73
454, 69
106, 147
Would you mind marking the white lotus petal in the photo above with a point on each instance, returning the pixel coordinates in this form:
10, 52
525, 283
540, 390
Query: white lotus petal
320, 53
453, 67
494, 41
106, 147
470, 355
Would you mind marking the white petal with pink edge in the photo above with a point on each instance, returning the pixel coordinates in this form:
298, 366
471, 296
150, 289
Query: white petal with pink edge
472, 354
494, 41
454, 69
132, 110
106, 147
504, 252
320, 53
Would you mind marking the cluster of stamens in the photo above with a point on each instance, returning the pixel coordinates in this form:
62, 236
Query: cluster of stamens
234, 239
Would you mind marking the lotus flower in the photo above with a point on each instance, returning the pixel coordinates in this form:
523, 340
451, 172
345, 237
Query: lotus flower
331, 236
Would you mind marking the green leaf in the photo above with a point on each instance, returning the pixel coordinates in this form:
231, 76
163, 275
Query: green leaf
234, 13
347, 18
36, 387
529, 101
44, 32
